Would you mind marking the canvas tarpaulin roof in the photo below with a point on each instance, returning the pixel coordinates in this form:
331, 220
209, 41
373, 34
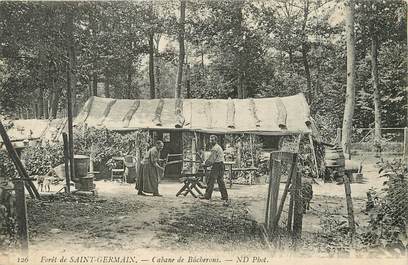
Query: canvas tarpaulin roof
279, 115
35, 129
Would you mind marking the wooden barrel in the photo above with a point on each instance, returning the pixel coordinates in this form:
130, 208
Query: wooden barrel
81, 166
334, 157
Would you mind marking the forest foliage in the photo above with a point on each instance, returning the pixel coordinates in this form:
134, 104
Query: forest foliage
234, 48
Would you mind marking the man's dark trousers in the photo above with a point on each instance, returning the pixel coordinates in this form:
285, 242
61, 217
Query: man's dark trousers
217, 173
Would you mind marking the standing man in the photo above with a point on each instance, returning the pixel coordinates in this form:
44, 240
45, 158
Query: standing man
216, 161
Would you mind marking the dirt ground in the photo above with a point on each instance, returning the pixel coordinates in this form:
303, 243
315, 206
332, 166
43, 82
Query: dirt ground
117, 219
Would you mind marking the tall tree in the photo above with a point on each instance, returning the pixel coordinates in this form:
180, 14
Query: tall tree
181, 48
374, 80
151, 53
350, 91
151, 66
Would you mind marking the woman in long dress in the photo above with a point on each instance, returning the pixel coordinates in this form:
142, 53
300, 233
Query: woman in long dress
150, 171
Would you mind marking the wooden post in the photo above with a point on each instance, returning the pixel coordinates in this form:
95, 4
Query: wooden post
314, 155
91, 164
297, 208
274, 182
17, 163
21, 215
290, 212
406, 146
193, 155
292, 173
349, 201
251, 145
239, 152
66, 162
70, 121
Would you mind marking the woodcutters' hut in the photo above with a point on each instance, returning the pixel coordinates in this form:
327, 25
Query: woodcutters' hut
167, 119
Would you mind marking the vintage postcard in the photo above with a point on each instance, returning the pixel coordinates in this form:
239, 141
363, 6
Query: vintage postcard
203, 132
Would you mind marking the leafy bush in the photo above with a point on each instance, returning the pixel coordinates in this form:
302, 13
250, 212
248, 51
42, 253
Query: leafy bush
7, 169
103, 144
40, 158
388, 225
334, 232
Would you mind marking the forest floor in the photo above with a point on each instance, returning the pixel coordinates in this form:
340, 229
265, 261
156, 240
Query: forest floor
117, 219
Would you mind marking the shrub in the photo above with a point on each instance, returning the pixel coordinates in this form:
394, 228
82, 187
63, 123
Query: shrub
7, 169
40, 158
103, 144
388, 223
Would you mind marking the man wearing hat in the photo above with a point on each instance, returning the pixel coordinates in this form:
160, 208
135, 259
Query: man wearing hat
216, 161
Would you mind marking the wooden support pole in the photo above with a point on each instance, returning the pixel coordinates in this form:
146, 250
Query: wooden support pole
297, 208
17, 163
70, 121
21, 215
290, 212
91, 164
251, 145
274, 182
66, 163
349, 201
314, 155
406, 146
193, 155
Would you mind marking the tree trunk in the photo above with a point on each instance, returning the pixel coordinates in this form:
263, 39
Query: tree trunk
55, 99
107, 84
307, 72
157, 66
305, 50
73, 78
181, 45
35, 110
151, 66
90, 93
129, 81
45, 106
71, 83
240, 85
374, 75
241, 68
157, 76
94, 84
188, 81
350, 91
41, 103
